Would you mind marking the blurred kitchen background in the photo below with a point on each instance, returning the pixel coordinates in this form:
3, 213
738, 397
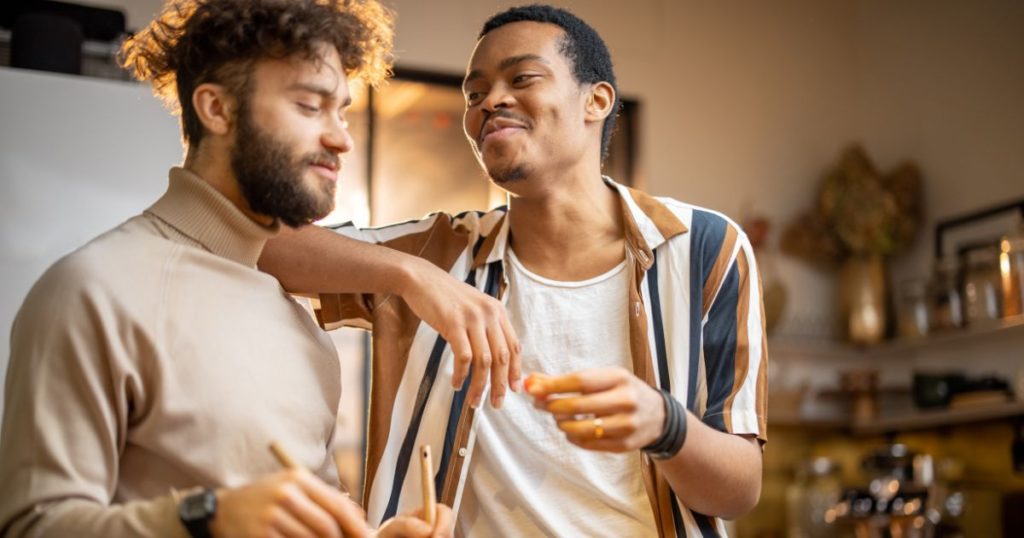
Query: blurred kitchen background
873, 150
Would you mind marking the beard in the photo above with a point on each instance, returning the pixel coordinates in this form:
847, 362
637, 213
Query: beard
502, 172
507, 174
272, 180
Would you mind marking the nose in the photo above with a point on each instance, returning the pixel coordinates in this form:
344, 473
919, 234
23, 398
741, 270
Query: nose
336, 137
497, 98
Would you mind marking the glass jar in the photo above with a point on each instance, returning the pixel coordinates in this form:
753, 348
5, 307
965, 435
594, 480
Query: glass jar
811, 499
947, 304
913, 310
1011, 273
982, 288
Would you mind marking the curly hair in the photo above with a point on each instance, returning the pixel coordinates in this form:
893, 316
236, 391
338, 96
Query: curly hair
193, 42
582, 46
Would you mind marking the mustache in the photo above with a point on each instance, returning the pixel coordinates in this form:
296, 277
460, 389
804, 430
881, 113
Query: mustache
506, 114
323, 158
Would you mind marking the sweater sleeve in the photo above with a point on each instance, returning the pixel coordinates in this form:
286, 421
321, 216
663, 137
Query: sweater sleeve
67, 403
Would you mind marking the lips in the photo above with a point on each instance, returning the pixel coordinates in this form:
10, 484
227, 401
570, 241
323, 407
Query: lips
499, 124
330, 164
326, 166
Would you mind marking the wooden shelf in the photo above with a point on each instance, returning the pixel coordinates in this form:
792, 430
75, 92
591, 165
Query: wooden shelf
795, 420
787, 346
905, 421
924, 420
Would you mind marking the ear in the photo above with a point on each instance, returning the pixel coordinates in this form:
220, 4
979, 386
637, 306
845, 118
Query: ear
600, 102
214, 107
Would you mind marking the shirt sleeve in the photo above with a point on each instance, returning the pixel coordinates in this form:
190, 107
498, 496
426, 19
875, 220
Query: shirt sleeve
66, 410
432, 238
735, 342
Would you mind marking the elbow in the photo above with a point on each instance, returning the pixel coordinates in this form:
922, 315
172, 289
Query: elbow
745, 501
750, 502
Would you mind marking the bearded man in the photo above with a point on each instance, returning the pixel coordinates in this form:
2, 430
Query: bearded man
151, 368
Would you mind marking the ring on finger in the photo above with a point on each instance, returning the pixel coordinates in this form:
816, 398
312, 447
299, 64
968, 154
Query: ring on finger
598, 428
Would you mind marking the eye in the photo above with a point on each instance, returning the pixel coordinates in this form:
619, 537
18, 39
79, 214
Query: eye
308, 108
519, 79
473, 98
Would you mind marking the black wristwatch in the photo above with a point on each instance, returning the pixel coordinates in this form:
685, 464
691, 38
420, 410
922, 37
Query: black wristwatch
196, 511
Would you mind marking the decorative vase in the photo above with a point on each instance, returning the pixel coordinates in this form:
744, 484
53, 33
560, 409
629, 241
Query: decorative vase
773, 291
862, 299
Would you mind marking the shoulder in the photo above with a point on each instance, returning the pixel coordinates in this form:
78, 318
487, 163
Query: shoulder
708, 229
698, 218
123, 265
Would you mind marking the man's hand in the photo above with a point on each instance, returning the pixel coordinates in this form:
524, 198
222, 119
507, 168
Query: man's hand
606, 409
315, 260
292, 503
413, 525
473, 323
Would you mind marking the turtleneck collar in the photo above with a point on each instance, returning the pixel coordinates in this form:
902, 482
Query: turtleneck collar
196, 209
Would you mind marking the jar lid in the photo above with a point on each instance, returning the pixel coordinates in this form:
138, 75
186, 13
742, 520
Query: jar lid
1012, 243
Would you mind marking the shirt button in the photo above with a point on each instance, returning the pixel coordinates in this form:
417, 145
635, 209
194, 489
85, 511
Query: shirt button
462, 452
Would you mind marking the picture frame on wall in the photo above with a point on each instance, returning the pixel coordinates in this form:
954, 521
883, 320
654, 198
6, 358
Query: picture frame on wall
956, 236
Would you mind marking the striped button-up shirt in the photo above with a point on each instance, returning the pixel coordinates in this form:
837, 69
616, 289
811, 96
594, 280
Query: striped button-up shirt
696, 329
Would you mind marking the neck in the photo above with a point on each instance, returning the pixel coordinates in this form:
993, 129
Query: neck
573, 230
212, 164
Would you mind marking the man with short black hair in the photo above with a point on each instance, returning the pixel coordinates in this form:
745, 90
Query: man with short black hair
640, 317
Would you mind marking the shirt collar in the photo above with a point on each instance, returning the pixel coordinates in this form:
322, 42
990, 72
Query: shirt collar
648, 224
194, 208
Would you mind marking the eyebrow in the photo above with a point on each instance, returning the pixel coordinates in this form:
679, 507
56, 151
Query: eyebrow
505, 64
318, 89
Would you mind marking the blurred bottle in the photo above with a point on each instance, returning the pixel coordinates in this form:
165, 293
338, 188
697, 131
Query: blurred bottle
811, 499
1011, 273
946, 299
982, 286
913, 312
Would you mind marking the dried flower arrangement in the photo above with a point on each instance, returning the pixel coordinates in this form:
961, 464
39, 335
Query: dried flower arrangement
859, 212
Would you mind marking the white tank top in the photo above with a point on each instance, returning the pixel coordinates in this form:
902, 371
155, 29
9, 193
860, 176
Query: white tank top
525, 478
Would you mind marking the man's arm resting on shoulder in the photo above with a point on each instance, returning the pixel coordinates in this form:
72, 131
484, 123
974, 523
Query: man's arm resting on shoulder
315, 260
311, 259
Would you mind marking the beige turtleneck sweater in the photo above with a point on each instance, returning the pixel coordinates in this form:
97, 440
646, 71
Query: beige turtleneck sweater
156, 359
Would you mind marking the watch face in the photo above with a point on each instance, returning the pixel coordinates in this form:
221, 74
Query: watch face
198, 506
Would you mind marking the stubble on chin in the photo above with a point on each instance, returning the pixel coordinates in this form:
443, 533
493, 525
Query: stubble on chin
508, 175
505, 173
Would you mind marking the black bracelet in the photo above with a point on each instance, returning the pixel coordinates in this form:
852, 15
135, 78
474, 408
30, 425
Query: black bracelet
671, 440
